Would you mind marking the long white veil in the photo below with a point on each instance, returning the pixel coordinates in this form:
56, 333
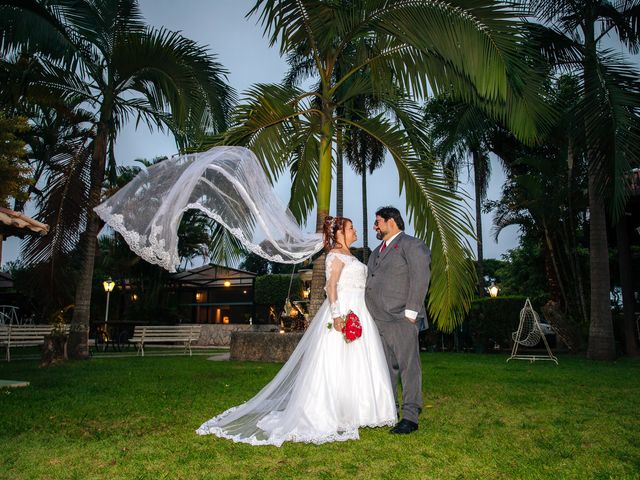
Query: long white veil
229, 185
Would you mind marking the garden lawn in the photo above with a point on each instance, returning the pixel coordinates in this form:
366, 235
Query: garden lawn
135, 418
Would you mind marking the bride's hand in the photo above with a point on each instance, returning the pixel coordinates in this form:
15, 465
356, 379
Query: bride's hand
338, 324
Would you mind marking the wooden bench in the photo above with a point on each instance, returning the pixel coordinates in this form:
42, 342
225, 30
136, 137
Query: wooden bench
24, 336
185, 334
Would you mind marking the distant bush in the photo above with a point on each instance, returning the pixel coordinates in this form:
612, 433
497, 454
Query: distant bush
273, 289
493, 320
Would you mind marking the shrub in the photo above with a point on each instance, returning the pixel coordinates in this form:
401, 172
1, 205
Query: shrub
273, 289
493, 320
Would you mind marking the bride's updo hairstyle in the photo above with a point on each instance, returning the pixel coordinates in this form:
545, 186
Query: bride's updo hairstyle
333, 225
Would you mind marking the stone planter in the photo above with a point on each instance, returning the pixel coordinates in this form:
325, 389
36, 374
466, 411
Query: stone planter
219, 335
263, 346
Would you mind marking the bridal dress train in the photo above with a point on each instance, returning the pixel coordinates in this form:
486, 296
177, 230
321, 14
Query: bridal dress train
328, 388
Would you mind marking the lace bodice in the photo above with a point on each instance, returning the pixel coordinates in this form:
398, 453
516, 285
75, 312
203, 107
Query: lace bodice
353, 274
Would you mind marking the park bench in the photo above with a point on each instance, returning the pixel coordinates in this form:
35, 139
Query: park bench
12, 336
167, 334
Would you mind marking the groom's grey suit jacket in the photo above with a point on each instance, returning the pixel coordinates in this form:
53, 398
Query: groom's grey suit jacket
398, 278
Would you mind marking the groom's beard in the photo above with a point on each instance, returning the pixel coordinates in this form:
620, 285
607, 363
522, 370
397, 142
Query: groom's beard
379, 235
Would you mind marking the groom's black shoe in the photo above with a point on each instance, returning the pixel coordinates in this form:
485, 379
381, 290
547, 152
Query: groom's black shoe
404, 426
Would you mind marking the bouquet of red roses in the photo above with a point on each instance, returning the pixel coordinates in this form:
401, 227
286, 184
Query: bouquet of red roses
352, 329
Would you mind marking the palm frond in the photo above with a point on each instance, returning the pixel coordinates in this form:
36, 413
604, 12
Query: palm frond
62, 207
611, 117
624, 18
174, 74
435, 212
304, 174
223, 247
273, 121
293, 22
36, 26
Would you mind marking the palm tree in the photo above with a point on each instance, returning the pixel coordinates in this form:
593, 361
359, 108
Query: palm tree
609, 97
460, 131
472, 49
56, 123
123, 69
364, 154
544, 193
361, 150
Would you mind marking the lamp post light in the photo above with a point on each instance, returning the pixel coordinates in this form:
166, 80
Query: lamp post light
108, 285
493, 290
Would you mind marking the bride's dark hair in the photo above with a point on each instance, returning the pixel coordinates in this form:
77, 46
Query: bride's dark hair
331, 226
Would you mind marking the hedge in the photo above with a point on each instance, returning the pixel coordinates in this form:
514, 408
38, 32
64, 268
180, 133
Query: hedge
493, 320
273, 289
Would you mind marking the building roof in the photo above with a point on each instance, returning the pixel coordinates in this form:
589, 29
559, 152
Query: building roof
18, 224
5, 280
213, 275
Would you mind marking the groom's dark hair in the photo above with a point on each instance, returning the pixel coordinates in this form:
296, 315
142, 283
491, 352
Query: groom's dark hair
391, 212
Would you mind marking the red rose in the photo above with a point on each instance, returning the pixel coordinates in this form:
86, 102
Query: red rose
352, 329
350, 335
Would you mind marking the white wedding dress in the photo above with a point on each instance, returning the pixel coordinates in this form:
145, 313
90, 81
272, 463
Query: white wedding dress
328, 388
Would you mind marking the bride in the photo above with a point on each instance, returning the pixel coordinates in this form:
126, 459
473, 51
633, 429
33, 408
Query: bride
328, 388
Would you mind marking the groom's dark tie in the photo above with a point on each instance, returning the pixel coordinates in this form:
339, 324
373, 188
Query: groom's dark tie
384, 245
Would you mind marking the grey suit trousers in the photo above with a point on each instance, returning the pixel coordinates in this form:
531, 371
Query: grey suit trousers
400, 342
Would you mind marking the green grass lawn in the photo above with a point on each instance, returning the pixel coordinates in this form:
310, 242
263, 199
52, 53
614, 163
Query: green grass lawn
134, 418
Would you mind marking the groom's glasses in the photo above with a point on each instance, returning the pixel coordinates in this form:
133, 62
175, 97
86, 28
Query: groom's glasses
379, 221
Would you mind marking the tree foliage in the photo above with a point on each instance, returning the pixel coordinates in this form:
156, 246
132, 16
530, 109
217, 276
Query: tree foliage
14, 169
472, 49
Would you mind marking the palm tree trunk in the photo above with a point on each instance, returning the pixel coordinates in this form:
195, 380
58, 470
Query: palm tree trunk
339, 175
626, 283
554, 276
78, 346
477, 173
324, 200
601, 340
365, 223
570, 245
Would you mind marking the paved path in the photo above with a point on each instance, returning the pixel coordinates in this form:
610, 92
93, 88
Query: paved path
220, 357
13, 384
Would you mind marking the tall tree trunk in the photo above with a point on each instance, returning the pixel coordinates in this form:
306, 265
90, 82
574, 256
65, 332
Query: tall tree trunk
571, 245
365, 223
601, 340
626, 283
78, 346
477, 174
339, 175
324, 202
554, 276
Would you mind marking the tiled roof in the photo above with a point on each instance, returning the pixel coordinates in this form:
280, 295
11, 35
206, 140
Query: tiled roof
16, 223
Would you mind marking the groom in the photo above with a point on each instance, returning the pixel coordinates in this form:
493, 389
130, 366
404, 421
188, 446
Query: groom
397, 284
